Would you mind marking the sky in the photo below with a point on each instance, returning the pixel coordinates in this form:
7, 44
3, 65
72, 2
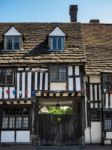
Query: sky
54, 10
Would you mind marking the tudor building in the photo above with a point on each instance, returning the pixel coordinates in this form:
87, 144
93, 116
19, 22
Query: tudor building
55, 64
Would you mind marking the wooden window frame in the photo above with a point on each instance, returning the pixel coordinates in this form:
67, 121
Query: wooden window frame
15, 120
13, 42
58, 72
57, 44
13, 77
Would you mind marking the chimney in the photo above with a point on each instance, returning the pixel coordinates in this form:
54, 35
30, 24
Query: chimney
94, 21
73, 13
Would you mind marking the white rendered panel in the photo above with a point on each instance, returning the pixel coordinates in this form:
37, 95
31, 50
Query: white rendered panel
58, 86
96, 96
7, 136
22, 136
23, 85
1, 92
36, 77
106, 101
87, 136
78, 84
57, 32
6, 92
12, 92
110, 100
12, 32
18, 84
91, 92
29, 85
76, 70
95, 92
46, 81
108, 135
95, 132
70, 84
91, 105
70, 70
41, 78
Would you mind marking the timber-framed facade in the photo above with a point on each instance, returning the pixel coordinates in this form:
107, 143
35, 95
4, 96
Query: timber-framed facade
56, 64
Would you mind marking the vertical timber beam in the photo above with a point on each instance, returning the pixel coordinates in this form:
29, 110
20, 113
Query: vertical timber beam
36, 121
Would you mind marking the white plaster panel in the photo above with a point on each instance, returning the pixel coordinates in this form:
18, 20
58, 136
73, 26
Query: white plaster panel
23, 136
58, 86
95, 79
7, 136
95, 132
108, 135
87, 136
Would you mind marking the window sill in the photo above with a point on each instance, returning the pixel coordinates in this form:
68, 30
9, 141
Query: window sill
58, 51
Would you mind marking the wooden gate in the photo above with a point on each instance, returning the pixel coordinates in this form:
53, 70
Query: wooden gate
59, 129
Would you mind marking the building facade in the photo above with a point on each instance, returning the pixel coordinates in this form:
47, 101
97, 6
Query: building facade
56, 64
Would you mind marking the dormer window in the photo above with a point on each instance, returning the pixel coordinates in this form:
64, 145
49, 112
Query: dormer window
57, 40
12, 40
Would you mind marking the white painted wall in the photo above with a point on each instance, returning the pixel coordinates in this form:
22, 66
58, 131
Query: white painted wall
93, 134
7, 136
23, 136
95, 79
58, 86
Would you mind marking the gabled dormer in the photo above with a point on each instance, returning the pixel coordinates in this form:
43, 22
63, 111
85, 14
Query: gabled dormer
57, 40
12, 40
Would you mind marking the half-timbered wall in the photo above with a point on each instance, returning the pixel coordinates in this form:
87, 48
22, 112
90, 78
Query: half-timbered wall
93, 111
30, 80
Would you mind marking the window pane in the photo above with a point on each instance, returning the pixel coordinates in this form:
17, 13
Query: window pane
58, 74
18, 122
62, 74
11, 122
25, 122
16, 42
2, 76
60, 43
5, 122
9, 43
54, 43
9, 76
108, 124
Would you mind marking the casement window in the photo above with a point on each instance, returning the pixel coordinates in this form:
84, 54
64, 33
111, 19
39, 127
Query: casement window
6, 76
107, 81
57, 43
12, 43
58, 73
108, 120
95, 114
12, 40
57, 40
15, 118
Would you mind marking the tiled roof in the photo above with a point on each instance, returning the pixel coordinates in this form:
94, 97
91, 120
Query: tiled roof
98, 45
35, 44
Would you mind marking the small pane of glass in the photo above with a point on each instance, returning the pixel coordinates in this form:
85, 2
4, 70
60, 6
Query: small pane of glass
9, 43
5, 122
19, 122
11, 122
25, 122
16, 43
9, 76
2, 76
54, 43
108, 124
